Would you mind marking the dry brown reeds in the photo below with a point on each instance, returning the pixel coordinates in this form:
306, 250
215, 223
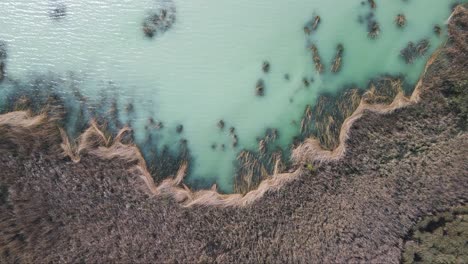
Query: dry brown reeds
400, 20
336, 64
21, 130
312, 25
311, 150
306, 120
260, 88
374, 29
316, 58
316, 22
413, 51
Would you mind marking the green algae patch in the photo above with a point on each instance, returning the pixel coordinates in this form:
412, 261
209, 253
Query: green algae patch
310, 168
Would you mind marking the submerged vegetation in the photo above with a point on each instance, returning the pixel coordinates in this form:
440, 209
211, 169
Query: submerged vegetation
316, 58
312, 25
58, 10
160, 21
373, 29
3, 57
336, 64
325, 119
260, 88
400, 20
414, 51
437, 30
255, 166
266, 67
221, 124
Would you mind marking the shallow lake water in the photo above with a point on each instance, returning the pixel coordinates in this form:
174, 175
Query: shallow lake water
205, 67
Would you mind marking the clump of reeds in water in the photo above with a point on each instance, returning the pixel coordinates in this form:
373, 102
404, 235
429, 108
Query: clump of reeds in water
58, 11
383, 90
260, 88
2, 70
312, 25
159, 22
266, 67
413, 51
373, 29
316, 58
400, 20
3, 56
221, 124
336, 65
235, 140
437, 30
250, 172
306, 120
232, 132
325, 120
164, 162
255, 166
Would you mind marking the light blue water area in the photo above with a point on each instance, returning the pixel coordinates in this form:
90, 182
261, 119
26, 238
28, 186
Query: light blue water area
206, 66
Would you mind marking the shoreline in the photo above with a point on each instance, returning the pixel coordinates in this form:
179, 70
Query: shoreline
94, 141
396, 169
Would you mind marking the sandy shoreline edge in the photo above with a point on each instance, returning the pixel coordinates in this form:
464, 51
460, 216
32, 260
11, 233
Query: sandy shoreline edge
95, 142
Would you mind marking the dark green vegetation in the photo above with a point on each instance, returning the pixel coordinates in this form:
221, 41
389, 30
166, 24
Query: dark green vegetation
442, 238
458, 100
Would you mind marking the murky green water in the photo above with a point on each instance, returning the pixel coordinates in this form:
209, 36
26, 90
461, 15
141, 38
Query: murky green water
206, 66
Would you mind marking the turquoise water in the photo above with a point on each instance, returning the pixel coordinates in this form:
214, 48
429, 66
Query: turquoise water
206, 66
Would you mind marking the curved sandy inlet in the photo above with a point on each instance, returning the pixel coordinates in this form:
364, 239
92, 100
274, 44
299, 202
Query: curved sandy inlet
95, 142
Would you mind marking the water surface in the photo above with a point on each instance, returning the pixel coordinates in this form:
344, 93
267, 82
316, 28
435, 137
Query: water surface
206, 66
